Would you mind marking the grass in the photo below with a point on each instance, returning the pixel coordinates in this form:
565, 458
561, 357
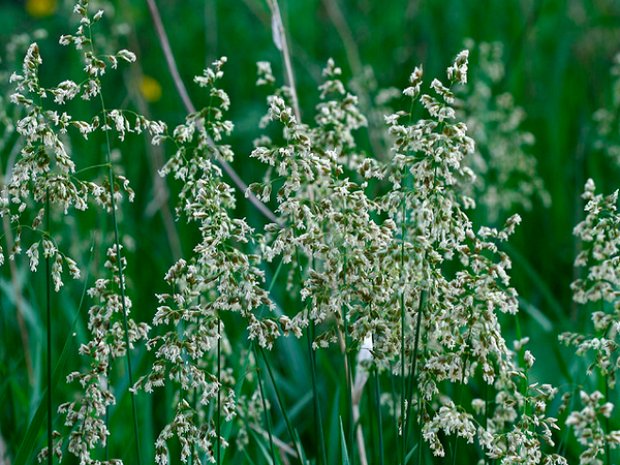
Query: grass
558, 57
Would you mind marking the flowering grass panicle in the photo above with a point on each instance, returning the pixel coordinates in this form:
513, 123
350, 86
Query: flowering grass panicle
86, 418
42, 173
45, 172
11, 60
218, 278
327, 229
591, 428
599, 287
452, 283
506, 170
400, 290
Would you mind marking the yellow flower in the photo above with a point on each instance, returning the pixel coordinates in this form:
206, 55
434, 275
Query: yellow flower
40, 8
150, 89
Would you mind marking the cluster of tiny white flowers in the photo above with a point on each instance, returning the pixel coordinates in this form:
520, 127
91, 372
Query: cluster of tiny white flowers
457, 335
45, 170
95, 65
599, 233
425, 172
219, 277
599, 286
11, 59
326, 228
518, 427
404, 278
85, 418
42, 172
589, 430
505, 167
451, 421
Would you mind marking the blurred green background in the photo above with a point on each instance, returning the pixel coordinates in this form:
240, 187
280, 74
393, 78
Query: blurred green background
557, 56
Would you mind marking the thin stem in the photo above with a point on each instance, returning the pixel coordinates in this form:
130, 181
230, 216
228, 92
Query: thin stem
486, 412
172, 66
347, 362
607, 427
318, 419
266, 413
106, 452
48, 299
189, 106
402, 336
414, 360
278, 28
359, 432
379, 416
470, 324
92, 167
402, 377
219, 391
289, 427
419, 444
121, 281
155, 152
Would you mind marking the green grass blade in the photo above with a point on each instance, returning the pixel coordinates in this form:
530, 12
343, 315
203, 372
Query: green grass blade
343, 446
289, 427
410, 454
29, 442
269, 457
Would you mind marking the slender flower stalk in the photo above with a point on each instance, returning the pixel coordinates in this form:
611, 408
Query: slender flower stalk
287, 421
318, 418
218, 415
281, 42
266, 412
377, 402
48, 302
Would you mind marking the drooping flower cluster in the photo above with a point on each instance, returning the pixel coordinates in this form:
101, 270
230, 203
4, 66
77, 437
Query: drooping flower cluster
506, 170
327, 228
451, 282
590, 429
599, 233
11, 61
218, 279
44, 174
85, 418
597, 288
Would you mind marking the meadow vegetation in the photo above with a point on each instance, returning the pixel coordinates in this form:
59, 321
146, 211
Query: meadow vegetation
309, 232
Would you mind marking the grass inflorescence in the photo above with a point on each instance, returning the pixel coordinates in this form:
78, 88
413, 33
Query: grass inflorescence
360, 275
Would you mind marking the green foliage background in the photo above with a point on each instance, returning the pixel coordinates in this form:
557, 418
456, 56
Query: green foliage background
557, 54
